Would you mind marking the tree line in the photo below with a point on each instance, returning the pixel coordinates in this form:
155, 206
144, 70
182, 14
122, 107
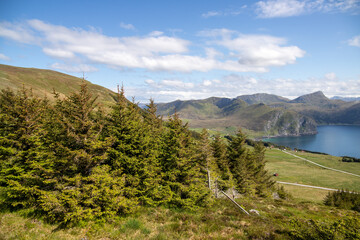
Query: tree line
70, 160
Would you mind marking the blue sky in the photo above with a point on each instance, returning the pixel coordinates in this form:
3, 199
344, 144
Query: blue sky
170, 50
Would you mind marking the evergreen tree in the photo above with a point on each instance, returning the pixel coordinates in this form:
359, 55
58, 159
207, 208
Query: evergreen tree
207, 160
219, 149
134, 152
77, 185
240, 164
182, 173
21, 119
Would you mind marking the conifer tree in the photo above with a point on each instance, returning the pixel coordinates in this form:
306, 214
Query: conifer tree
134, 152
240, 164
219, 149
182, 173
21, 119
207, 160
262, 179
77, 185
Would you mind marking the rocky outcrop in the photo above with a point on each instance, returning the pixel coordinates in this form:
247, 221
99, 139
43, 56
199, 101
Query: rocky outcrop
289, 123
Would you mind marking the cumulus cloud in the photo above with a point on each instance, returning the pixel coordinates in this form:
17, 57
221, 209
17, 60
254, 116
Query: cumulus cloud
256, 51
156, 51
288, 8
4, 57
355, 41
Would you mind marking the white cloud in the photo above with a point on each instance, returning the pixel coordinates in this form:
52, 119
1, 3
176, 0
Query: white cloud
330, 76
355, 41
233, 85
177, 84
280, 8
288, 8
261, 50
4, 57
156, 51
127, 26
58, 53
211, 14
74, 68
17, 31
207, 83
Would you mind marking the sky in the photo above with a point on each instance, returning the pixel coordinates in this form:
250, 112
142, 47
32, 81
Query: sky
169, 49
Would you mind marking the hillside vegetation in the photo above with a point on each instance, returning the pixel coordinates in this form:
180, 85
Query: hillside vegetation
267, 114
44, 82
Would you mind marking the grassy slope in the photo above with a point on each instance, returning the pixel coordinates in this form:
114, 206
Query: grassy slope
43, 82
291, 169
222, 221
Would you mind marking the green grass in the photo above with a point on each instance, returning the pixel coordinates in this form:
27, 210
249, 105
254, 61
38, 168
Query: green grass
42, 82
221, 221
306, 194
295, 170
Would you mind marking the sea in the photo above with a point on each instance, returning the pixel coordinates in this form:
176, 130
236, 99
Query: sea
334, 140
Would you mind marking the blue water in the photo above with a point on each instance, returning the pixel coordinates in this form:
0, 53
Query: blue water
333, 140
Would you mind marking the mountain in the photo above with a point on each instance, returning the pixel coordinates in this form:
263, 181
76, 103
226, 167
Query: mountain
317, 98
224, 112
346, 99
262, 98
266, 113
42, 82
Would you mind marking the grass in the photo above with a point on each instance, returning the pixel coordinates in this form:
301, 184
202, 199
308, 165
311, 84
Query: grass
306, 194
42, 82
221, 221
292, 169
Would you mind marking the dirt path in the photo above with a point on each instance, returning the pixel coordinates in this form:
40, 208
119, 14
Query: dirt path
332, 169
308, 186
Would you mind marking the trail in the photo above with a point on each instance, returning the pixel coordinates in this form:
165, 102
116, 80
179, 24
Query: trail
319, 165
308, 186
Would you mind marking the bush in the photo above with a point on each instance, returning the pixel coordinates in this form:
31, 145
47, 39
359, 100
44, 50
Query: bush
346, 228
343, 199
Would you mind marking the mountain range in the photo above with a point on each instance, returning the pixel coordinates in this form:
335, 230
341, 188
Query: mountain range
267, 114
270, 114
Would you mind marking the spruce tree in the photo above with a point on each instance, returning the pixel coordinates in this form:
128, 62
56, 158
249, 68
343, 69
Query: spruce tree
21, 120
134, 152
219, 150
241, 164
181, 172
77, 184
207, 160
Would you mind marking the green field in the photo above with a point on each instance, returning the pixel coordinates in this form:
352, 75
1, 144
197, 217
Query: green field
295, 170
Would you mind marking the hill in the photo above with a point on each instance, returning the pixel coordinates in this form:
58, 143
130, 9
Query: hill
266, 113
224, 112
43, 82
262, 98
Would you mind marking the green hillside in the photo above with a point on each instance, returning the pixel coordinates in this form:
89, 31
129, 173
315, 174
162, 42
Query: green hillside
43, 82
215, 113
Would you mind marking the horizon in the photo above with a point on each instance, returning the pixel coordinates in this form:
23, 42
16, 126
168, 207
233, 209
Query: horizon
188, 50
